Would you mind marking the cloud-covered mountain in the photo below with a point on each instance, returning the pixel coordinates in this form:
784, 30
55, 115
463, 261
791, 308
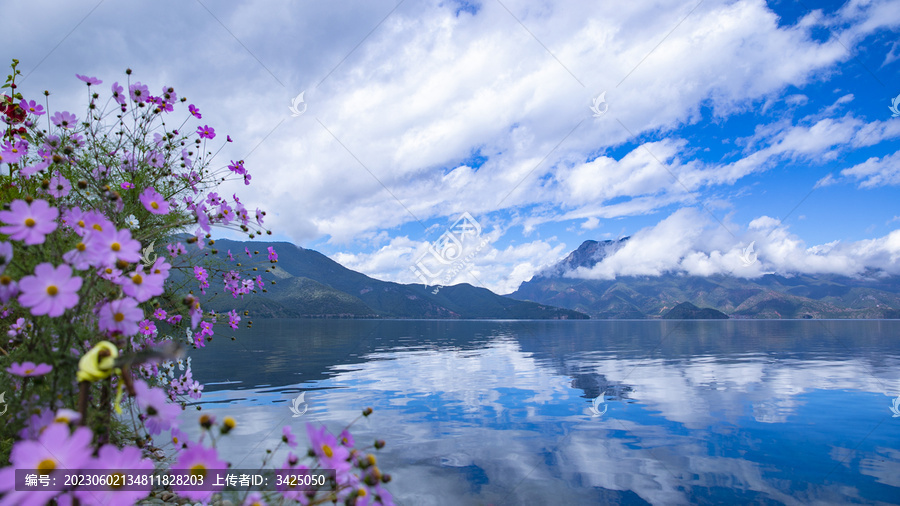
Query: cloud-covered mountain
874, 295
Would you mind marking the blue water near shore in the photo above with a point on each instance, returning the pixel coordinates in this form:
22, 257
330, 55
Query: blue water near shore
578, 412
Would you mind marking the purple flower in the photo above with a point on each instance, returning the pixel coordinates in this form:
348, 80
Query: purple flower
237, 168
64, 119
111, 245
121, 315
153, 201
139, 92
28, 369
206, 132
195, 111
29, 222
233, 319
199, 461
119, 462
55, 449
8, 289
329, 452
142, 286
288, 437
118, 93
59, 186
147, 327
32, 107
126, 185
273, 257
289, 490
89, 80
159, 314
228, 138
50, 290
158, 414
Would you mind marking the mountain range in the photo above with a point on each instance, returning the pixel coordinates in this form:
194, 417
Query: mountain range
770, 296
309, 284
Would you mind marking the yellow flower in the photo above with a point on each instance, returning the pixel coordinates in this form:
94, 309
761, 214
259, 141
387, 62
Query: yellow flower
98, 363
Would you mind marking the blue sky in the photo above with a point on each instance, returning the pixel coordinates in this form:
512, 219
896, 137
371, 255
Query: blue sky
724, 124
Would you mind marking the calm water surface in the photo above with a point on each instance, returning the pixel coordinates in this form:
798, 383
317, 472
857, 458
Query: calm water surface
500, 412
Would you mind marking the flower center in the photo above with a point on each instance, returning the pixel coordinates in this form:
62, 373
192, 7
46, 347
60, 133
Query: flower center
28, 371
81, 247
137, 279
151, 411
118, 317
328, 451
198, 470
29, 222
52, 290
154, 205
97, 227
115, 246
81, 223
5, 280
46, 465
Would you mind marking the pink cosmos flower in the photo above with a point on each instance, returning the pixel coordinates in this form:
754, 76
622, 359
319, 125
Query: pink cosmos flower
112, 245
273, 257
139, 92
8, 289
233, 319
118, 93
194, 111
230, 257
126, 185
59, 186
28, 369
157, 413
174, 319
89, 80
176, 249
153, 201
116, 461
50, 290
142, 286
206, 132
84, 255
147, 327
121, 315
237, 168
12, 152
55, 449
159, 314
329, 452
199, 460
29, 222
32, 107
64, 119
288, 437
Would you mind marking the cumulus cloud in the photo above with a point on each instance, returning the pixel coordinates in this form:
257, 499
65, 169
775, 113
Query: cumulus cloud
689, 241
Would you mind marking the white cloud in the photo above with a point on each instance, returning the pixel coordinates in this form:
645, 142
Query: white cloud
689, 241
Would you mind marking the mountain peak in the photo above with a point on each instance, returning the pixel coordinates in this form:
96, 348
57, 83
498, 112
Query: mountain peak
589, 254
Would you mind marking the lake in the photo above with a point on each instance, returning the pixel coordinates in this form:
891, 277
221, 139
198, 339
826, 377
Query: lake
578, 412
